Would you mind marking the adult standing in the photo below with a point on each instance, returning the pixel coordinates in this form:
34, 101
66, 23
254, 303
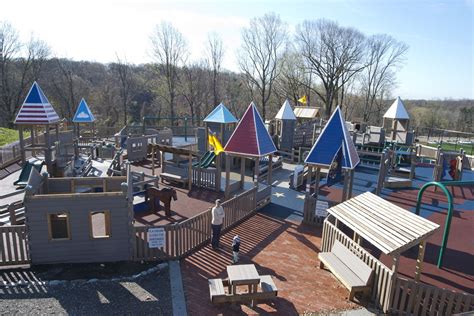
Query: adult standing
217, 221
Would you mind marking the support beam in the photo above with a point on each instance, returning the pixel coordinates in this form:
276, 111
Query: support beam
190, 171
419, 260
256, 172
316, 185
227, 175
351, 183
346, 185
242, 172
152, 159
308, 179
270, 167
22, 145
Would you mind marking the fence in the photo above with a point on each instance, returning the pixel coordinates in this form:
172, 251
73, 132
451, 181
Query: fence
183, 238
383, 276
415, 298
205, 178
13, 245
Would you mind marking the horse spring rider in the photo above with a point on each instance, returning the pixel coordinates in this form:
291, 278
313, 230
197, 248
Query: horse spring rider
216, 223
164, 195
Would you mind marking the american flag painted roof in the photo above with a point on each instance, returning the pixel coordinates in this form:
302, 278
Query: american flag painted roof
36, 109
250, 138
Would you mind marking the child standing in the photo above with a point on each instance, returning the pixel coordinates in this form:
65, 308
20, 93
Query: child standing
235, 248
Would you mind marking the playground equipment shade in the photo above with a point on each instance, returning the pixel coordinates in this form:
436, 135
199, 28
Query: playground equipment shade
220, 115
251, 137
333, 136
36, 109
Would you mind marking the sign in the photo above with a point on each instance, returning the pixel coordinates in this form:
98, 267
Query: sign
321, 209
156, 238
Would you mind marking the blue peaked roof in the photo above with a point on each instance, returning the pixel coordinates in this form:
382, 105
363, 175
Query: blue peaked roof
333, 136
83, 113
220, 115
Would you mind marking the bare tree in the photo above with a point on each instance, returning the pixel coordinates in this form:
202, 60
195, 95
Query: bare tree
169, 51
124, 71
20, 64
292, 81
262, 46
215, 55
384, 56
331, 52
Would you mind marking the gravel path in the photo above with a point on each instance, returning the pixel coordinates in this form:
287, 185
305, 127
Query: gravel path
146, 295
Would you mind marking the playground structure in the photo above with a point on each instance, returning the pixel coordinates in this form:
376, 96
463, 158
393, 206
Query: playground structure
93, 219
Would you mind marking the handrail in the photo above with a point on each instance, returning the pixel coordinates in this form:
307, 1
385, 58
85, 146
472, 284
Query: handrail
442, 186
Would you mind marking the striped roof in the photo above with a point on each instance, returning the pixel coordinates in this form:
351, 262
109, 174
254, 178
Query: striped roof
333, 136
36, 109
83, 113
250, 138
220, 115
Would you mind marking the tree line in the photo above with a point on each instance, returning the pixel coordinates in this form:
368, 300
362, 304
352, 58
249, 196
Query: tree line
329, 63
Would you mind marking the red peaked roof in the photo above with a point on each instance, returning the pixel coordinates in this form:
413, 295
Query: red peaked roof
250, 138
36, 109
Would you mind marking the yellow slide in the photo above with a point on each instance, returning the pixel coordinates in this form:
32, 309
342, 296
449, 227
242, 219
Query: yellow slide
215, 143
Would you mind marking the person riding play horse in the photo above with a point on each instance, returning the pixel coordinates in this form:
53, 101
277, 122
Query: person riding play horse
164, 195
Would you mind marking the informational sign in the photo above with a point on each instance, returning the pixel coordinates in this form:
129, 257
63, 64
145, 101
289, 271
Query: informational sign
321, 208
156, 238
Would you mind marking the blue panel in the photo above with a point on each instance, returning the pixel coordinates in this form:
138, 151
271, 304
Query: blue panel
34, 95
265, 142
83, 113
44, 99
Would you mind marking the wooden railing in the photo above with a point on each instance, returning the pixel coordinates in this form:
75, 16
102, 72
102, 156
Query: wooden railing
383, 276
13, 245
414, 298
185, 237
205, 178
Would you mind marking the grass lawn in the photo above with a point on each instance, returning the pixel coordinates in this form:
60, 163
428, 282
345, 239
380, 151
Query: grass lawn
469, 149
9, 135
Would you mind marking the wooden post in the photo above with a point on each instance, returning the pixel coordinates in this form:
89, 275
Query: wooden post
351, 183
47, 150
308, 179
256, 172
227, 175
190, 171
270, 166
22, 145
316, 185
152, 159
346, 185
419, 260
218, 171
242, 172
394, 129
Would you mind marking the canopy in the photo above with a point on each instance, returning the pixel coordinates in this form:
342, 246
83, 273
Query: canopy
387, 226
36, 109
306, 112
221, 115
333, 136
83, 113
286, 112
250, 138
397, 111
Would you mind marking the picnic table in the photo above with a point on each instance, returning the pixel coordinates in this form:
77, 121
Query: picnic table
259, 286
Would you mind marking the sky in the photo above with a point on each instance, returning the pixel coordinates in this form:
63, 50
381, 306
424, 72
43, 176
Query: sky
439, 63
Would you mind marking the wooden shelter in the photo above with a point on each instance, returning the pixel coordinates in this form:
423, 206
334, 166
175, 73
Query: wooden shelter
249, 140
388, 227
37, 113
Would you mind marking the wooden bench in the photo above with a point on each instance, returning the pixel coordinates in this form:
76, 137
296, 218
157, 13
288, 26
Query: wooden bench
218, 294
174, 174
348, 268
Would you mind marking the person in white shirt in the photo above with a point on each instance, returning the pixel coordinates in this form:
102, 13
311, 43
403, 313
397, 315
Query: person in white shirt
216, 223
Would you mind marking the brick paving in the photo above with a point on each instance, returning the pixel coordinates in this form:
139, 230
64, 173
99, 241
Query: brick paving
283, 249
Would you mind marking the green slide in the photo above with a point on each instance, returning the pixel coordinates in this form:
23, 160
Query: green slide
25, 172
206, 160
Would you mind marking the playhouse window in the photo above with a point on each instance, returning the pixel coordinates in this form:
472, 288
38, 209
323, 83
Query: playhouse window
59, 226
100, 224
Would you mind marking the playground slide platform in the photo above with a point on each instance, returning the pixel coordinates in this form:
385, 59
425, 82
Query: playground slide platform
206, 160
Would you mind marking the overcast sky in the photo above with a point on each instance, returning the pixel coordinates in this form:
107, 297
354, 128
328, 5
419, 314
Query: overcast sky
439, 33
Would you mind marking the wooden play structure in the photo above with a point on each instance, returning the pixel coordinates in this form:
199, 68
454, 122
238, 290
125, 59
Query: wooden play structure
396, 122
392, 231
250, 140
334, 152
285, 124
449, 165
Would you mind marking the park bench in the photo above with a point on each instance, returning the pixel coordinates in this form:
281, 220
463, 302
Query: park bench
348, 268
174, 174
218, 294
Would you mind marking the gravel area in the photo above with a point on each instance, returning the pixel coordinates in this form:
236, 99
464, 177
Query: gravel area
148, 295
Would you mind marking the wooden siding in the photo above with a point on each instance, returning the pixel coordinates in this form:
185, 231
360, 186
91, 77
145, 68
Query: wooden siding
81, 247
